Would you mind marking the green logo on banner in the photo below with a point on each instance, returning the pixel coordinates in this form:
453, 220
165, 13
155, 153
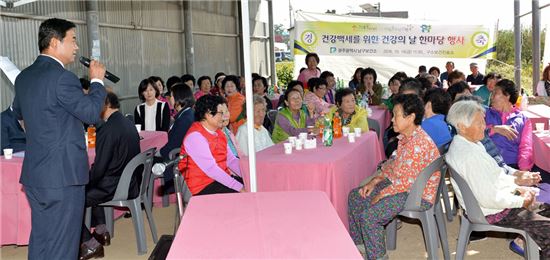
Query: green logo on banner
480, 39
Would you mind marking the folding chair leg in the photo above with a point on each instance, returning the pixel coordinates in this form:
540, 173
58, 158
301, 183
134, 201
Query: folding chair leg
442, 228
165, 196
430, 237
447, 202
137, 219
110, 220
391, 235
151, 221
88, 217
463, 237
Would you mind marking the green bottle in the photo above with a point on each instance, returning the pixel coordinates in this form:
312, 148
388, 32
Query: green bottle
327, 132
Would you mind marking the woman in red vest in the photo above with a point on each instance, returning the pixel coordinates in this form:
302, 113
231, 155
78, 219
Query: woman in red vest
210, 166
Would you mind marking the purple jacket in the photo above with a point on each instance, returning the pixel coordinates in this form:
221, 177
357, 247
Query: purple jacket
517, 151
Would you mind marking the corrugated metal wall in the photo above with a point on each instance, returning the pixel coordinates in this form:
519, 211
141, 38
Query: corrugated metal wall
138, 39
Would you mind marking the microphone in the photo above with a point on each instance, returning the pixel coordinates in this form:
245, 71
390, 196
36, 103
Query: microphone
108, 75
159, 168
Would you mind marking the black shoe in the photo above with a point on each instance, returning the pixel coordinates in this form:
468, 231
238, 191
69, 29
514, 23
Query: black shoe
478, 236
104, 239
89, 253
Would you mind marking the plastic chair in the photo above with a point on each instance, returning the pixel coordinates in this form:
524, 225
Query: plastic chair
474, 220
120, 199
183, 194
130, 117
432, 220
374, 125
450, 212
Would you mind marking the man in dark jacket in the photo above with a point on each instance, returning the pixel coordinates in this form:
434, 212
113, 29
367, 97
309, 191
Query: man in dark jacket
117, 143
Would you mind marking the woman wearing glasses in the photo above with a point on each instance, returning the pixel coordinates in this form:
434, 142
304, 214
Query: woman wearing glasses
210, 166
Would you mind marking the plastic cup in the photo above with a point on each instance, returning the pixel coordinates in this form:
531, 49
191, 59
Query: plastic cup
288, 148
138, 127
345, 130
303, 137
292, 140
351, 137
539, 127
8, 153
299, 144
357, 131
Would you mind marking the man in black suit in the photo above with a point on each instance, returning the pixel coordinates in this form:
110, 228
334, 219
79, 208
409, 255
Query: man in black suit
13, 135
117, 143
50, 101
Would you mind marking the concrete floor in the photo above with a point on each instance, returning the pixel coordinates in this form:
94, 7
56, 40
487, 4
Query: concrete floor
410, 244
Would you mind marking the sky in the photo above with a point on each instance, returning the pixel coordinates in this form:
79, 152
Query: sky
460, 11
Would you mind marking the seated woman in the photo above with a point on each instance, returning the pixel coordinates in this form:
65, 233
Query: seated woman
436, 105
315, 97
494, 190
262, 139
352, 115
205, 85
369, 87
543, 87
510, 129
152, 114
292, 84
182, 97
374, 205
291, 120
489, 82
210, 166
235, 101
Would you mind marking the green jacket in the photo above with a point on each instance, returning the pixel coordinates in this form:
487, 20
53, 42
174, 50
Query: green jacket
279, 134
358, 119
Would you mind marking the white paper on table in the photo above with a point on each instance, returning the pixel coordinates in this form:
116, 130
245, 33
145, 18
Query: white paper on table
9, 69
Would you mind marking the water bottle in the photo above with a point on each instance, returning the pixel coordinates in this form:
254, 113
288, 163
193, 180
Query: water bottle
327, 132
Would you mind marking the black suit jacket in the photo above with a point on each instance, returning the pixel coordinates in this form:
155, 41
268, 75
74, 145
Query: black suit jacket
13, 135
162, 118
116, 144
50, 101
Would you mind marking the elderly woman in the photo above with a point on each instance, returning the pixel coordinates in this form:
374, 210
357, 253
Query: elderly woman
509, 128
312, 60
152, 114
205, 86
501, 200
292, 119
210, 166
380, 200
489, 82
262, 139
315, 98
235, 101
353, 116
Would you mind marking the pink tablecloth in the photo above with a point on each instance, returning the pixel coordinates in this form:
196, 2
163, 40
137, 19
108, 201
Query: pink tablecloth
383, 117
541, 149
265, 225
335, 170
15, 210
538, 114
